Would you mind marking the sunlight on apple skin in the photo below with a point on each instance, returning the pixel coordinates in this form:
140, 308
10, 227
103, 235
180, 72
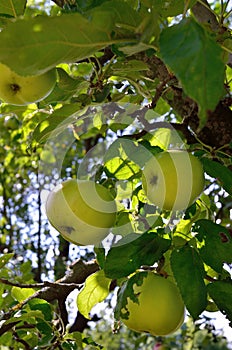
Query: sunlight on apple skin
82, 211
23, 90
160, 310
173, 179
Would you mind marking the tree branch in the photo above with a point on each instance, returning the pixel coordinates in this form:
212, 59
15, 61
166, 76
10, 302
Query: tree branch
58, 290
218, 129
205, 15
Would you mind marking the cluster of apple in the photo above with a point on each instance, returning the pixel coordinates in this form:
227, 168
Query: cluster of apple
84, 211
23, 90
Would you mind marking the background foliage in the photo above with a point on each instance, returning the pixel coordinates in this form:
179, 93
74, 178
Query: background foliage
134, 78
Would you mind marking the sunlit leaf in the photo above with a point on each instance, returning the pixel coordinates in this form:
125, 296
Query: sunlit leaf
21, 294
121, 168
95, 290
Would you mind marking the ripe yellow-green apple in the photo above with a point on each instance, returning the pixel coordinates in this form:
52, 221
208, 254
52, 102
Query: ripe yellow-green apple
160, 310
23, 90
82, 211
173, 179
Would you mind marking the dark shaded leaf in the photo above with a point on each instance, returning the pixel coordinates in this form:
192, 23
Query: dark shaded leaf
127, 291
196, 59
171, 7
188, 271
43, 306
221, 293
216, 246
219, 172
144, 250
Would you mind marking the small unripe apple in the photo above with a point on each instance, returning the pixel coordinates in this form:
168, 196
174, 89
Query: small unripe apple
173, 179
23, 90
11, 122
82, 211
160, 309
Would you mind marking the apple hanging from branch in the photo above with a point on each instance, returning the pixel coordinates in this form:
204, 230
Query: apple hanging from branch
173, 179
82, 211
23, 90
159, 309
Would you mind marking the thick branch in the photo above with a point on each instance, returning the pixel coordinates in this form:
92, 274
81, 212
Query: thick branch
77, 276
218, 130
58, 290
204, 15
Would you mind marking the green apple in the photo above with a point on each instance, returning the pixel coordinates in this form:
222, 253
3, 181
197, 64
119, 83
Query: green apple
160, 310
82, 211
11, 122
173, 179
23, 90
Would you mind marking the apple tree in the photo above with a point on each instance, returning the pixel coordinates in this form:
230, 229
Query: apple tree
105, 92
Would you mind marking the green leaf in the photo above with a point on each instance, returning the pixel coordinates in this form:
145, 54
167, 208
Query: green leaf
43, 306
56, 123
95, 290
125, 67
100, 256
196, 60
188, 271
171, 7
42, 42
12, 8
29, 316
144, 250
21, 294
216, 246
219, 172
162, 138
127, 291
46, 332
121, 169
5, 258
124, 158
65, 88
6, 339
221, 293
